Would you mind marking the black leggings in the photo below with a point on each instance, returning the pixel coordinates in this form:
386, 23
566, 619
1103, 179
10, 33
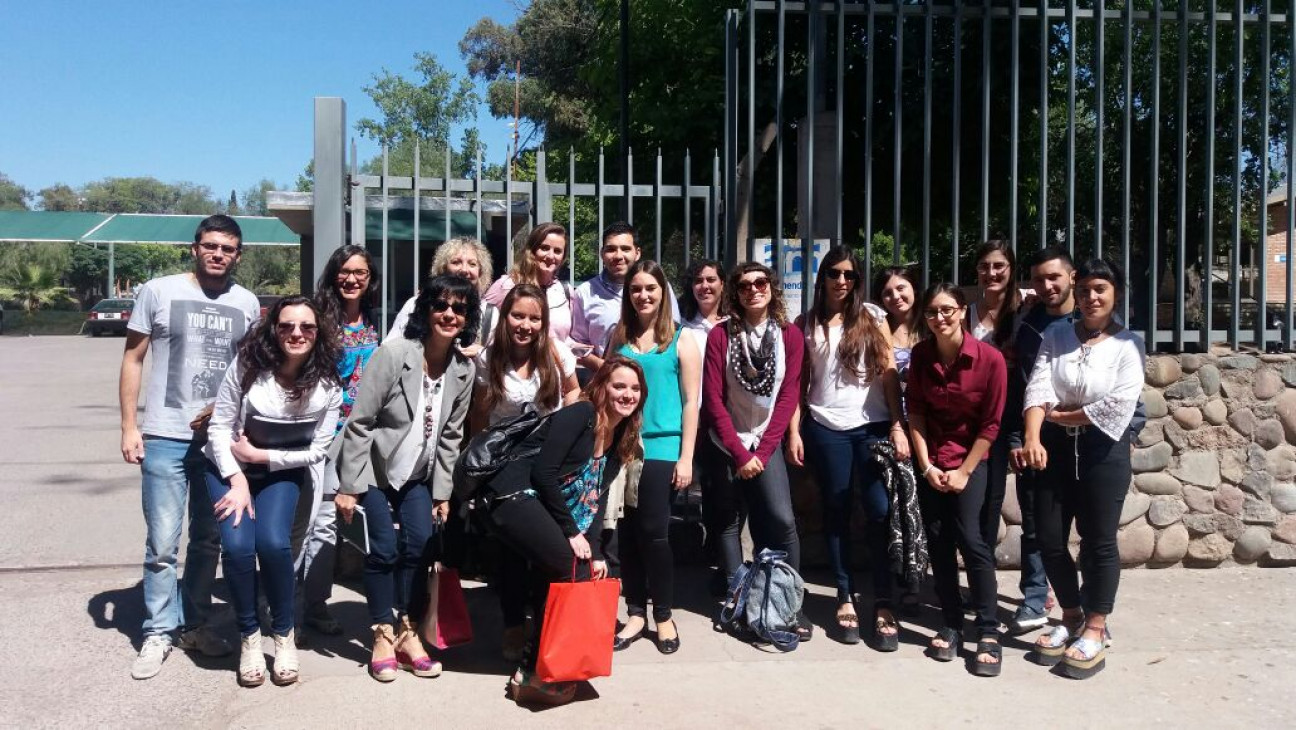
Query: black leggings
647, 566
766, 499
1086, 481
953, 522
525, 525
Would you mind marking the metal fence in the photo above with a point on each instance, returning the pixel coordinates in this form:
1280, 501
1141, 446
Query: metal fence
991, 113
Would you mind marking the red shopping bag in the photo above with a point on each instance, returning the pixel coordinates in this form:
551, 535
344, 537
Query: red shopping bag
446, 622
579, 624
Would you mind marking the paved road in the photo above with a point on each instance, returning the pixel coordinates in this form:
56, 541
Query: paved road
1195, 649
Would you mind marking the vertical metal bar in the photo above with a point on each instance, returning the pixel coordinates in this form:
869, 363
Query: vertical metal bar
897, 124
870, 38
1154, 178
328, 216
1262, 245
1126, 122
571, 215
750, 182
1071, 124
776, 250
598, 191
1014, 124
729, 143
712, 226
657, 203
1044, 123
688, 207
477, 173
1100, 128
449, 212
1181, 203
928, 52
1291, 185
808, 215
386, 260
1235, 279
508, 206
417, 179
1208, 240
841, 124
955, 138
357, 202
985, 121
629, 186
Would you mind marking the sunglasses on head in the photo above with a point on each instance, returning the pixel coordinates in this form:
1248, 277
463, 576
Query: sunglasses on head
441, 305
753, 285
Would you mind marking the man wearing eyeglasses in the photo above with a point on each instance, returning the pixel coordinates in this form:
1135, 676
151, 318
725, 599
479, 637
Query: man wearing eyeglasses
193, 323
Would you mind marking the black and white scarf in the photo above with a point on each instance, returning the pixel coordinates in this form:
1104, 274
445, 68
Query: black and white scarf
754, 370
907, 541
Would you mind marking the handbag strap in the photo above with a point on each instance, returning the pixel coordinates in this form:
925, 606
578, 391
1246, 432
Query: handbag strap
782, 640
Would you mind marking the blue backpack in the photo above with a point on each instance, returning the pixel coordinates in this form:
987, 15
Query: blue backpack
764, 600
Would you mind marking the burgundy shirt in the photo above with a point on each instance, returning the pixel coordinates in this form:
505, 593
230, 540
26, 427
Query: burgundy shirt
960, 404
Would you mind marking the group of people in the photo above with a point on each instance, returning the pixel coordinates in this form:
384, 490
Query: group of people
269, 431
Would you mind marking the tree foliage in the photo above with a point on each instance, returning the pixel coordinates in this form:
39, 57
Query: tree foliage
270, 269
59, 196
424, 109
32, 285
12, 195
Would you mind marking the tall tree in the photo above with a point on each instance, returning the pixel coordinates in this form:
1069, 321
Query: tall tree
12, 195
59, 196
148, 195
233, 207
254, 198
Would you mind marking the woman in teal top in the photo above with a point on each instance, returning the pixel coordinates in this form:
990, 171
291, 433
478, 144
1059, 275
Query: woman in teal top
672, 369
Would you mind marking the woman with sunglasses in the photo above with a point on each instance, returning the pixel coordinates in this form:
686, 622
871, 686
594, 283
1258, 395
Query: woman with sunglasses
520, 366
273, 419
539, 263
752, 377
672, 367
850, 400
957, 388
399, 448
1079, 403
344, 294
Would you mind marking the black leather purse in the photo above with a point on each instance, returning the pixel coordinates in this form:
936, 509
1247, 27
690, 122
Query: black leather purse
491, 450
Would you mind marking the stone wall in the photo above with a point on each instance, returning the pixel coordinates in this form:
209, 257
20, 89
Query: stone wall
1214, 469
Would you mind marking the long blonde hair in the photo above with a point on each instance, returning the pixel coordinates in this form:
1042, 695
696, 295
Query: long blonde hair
541, 356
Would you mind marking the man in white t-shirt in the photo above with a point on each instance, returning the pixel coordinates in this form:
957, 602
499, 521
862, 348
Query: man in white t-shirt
193, 324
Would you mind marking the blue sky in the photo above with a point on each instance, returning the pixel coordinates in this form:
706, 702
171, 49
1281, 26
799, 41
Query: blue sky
217, 93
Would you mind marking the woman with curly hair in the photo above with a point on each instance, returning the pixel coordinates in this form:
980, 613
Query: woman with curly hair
538, 263
466, 257
752, 377
549, 507
274, 418
399, 447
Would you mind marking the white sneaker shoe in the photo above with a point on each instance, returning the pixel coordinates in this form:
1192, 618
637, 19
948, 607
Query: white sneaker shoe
151, 655
204, 641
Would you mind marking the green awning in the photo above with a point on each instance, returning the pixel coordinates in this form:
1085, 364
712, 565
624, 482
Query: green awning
400, 225
26, 225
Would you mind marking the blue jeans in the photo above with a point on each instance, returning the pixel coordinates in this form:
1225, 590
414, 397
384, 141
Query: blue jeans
395, 576
171, 476
266, 538
840, 458
1033, 582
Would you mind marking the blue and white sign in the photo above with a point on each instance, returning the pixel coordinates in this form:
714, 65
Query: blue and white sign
790, 270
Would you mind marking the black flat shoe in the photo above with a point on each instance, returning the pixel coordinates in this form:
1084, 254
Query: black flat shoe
669, 646
619, 643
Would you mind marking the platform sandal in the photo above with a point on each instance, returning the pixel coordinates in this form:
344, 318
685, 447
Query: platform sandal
1092, 659
992, 647
953, 642
883, 641
1047, 651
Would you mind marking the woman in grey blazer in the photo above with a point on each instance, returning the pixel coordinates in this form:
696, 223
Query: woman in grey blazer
398, 451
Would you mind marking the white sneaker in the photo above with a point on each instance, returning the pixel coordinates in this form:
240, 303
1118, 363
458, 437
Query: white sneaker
151, 656
204, 641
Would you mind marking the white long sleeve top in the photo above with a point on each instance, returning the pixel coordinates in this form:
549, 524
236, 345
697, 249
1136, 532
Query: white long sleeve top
267, 398
1105, 379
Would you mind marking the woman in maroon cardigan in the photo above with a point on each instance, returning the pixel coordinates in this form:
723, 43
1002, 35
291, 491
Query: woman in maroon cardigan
751, 374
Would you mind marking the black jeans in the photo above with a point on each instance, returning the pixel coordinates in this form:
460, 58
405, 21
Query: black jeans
647, 565
996, 487
1086, 480
765, 499
395, 576
953, 522
524, 525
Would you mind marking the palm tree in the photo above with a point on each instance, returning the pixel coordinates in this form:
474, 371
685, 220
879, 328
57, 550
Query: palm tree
32, 285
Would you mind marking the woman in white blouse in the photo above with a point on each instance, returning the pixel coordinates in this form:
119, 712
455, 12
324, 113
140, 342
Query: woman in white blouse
538, 263
1079, 403
522, 364
281, 397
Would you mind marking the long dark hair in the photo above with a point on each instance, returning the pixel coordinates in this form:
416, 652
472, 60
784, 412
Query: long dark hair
327, 296
541, 356
777, 312
443, 287
862, 342
629, 328
260, 352
688, 303
596, 393
1003, 325
938, 288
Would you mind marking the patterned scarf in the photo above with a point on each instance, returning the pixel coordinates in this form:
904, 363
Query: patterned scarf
907, 541
754, 370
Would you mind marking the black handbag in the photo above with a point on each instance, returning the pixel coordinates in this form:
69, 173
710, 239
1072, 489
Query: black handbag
491, 450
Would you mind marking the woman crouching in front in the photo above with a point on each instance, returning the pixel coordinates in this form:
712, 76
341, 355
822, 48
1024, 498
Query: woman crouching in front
399, 448
282, 397
549, 507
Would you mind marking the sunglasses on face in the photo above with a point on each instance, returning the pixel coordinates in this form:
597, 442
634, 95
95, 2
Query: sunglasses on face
442, 305
747, 287
210, 247
942, 312
285, 329
847, 274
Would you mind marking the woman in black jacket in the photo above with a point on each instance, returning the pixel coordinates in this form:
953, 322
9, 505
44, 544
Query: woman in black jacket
548, 508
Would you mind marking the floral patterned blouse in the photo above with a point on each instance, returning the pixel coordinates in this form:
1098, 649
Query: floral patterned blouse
581, 492
358, 344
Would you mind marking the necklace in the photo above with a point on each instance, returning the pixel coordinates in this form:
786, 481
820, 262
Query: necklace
1087, 334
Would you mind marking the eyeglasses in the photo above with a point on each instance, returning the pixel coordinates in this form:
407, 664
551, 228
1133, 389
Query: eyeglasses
986, 267
753, 284
210, 247
285, 329
942, 312
357, 274
442, 305
847, 274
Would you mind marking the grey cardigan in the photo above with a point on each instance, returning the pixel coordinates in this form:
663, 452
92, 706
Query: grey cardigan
384, 412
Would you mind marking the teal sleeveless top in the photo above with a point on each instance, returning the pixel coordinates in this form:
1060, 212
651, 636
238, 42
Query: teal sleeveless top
664, 406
